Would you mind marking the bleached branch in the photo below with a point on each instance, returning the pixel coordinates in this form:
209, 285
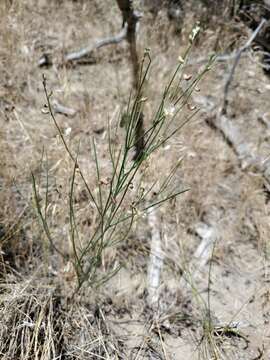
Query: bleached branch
156, 259
61, 109
77, 55
236, 61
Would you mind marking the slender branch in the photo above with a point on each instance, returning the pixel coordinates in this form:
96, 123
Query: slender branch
77, 55
236, 61
156, 259
243, 150
209, 233
61, 109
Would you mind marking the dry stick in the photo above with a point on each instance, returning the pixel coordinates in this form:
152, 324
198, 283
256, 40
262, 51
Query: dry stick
131, 19
243, 150
155, 264
208, 234
131, 38
61, 109
77, 55
236, 61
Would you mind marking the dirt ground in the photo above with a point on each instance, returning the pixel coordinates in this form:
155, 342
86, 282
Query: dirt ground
213, 295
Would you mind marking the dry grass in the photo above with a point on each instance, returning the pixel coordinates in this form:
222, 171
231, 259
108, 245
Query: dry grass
38, 317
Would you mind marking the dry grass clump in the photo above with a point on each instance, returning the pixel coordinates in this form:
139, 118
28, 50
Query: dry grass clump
37, 321
31, 323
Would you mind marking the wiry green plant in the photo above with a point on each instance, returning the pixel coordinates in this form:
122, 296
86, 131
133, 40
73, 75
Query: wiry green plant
214, 334
116, 208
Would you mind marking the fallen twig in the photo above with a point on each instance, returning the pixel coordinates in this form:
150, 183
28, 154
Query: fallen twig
208, 234
77, 55
203, 253
156, 259
61, 109
233, 137
242, 149
236, 61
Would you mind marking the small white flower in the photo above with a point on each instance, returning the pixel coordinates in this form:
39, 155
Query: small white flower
169, 111
194, 32
68, 131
